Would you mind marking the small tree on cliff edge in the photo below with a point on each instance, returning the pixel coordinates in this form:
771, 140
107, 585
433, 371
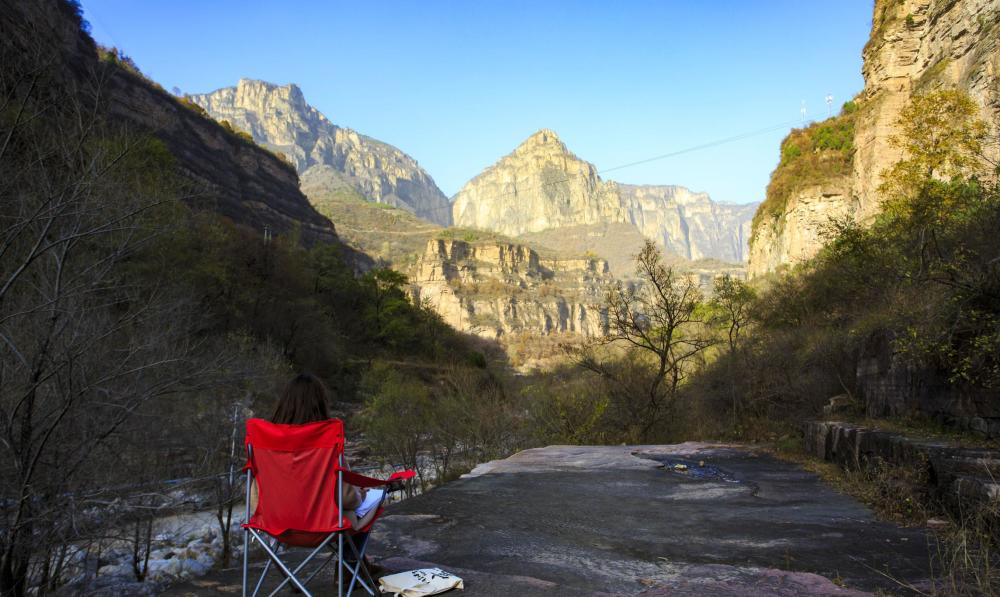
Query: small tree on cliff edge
942, 138
656, 321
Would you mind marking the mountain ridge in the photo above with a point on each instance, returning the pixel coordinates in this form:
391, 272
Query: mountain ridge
329, 155
542, 185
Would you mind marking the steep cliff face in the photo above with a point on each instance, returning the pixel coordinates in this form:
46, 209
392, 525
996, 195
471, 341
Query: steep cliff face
239, 179
686, 223
498, 289
226, 174
801, 230
541, 185
327, 156
916, 46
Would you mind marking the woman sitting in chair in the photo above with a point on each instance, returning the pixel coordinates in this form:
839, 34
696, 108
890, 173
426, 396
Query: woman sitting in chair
305, 400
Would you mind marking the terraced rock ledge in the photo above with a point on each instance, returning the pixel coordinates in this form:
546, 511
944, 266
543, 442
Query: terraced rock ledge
957, 474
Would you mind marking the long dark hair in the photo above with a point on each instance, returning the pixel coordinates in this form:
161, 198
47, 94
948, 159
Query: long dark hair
305, 400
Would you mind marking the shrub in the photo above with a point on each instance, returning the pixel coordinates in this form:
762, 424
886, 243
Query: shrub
817, 154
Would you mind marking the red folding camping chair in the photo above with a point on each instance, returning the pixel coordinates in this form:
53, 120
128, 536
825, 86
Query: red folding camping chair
300, 472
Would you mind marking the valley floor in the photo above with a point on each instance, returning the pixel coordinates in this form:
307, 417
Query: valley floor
687, 519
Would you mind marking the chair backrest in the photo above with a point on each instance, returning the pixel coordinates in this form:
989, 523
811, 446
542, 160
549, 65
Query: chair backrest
296, 471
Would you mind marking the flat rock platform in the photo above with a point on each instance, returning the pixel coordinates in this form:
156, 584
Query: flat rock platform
685, 519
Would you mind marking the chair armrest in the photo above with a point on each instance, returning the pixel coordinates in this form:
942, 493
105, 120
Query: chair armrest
359, 480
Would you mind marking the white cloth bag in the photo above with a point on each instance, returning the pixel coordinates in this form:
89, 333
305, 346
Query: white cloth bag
417, 583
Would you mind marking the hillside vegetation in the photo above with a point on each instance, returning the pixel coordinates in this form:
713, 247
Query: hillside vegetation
137, 329
814, 155
924, 274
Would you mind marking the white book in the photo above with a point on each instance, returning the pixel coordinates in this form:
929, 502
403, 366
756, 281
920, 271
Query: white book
372, 499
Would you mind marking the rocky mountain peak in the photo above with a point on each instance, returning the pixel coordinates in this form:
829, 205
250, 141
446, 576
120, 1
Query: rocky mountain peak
542, 185
542, 138
255, 87
331, 160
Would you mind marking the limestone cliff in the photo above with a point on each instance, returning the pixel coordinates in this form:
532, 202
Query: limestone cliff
328, 157
541, 185
497, 289
915, 46
918, 46
800, 230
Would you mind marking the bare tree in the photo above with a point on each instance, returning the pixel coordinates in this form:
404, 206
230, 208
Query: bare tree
656, 321
85, 342
731, 309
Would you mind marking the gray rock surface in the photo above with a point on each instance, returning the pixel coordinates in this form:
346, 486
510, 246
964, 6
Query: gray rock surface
600, 521
328, 157
541, 185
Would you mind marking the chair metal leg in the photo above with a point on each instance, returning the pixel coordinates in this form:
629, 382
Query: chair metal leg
281, 565
260, 581
302, 565
246, 561
340, 564
360, 567
246, 535
319, 568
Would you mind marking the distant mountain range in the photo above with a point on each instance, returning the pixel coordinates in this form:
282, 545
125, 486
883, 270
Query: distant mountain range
540, 186
327, 156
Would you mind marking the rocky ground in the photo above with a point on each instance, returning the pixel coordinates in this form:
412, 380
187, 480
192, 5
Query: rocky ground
688, 519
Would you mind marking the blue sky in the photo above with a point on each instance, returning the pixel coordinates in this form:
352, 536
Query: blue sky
459, 84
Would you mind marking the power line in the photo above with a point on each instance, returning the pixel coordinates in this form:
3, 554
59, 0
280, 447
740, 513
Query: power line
739, 137
693, 148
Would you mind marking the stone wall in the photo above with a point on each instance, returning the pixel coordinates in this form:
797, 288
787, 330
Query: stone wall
956, 475
892, 387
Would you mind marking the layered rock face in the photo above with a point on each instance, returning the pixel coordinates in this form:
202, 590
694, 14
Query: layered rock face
541, 185
497, 289
689, 224
799, 233
916, 46
328, 157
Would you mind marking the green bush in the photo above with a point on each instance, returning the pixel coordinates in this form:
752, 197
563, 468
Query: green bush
817, 154
924, 274
439, 421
